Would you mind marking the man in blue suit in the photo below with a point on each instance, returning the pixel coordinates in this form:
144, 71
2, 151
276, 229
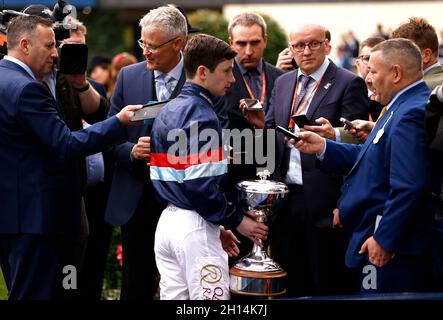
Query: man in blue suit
383, 206
160, 77
302, 239
40, 192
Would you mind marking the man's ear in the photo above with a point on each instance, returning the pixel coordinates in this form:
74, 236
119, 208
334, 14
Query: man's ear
24, 45
265, 38
398, 73
426, 56
179, 44
328, 47
202, 72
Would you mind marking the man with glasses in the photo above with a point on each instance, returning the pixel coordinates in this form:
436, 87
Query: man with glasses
132, 204
303, 240
362, 66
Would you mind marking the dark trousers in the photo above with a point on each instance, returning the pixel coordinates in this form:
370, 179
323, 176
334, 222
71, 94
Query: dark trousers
33, 265
139, 269
313, 256
100, 233
401, 274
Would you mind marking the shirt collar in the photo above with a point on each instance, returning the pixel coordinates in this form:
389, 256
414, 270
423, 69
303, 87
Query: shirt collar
243, 70
317, 74
21, 64
437, 64
199, 90
401, 92
176, 72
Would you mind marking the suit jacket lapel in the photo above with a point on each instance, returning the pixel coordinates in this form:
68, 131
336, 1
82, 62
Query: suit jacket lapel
148, 81
239, 81
287, 102
379, 125
326, 83
269, 85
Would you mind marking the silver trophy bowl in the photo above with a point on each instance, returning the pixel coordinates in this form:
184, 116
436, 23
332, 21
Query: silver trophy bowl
256, 273
260, 199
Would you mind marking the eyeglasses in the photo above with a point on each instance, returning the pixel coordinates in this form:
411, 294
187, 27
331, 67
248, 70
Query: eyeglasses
300, 46
364, 58
152, 48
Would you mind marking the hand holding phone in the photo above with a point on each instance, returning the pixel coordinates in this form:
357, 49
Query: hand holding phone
348, 124
288, 134
302, 120
149, 110
253, 104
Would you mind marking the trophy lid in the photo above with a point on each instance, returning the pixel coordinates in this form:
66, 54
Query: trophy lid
263, 187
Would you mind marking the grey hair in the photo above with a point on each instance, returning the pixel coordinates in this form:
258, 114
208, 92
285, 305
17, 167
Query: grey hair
167, 19
401, 51
247, 19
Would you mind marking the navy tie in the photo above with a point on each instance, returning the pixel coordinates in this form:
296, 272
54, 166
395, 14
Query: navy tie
253, 79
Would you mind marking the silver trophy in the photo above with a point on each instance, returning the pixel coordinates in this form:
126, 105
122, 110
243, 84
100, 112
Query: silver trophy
257, 274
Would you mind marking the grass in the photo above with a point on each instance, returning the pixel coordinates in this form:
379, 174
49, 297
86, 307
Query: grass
3, 291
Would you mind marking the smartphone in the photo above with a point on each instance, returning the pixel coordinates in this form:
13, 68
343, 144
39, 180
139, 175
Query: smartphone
302, 120
346, 123
253, 105
287, 133
149, 111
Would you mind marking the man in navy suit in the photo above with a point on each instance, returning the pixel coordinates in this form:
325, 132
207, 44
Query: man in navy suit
383, 206
160, 77
254, 78
40, 191
302, 239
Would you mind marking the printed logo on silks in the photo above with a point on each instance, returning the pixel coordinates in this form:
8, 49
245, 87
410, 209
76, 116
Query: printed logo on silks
211, 274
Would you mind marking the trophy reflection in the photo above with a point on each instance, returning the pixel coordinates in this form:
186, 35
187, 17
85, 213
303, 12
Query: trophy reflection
257, 274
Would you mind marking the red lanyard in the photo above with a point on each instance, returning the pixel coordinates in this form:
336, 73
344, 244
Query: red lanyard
303, 105
263, 88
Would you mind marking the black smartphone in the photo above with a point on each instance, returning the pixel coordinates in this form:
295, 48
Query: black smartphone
346, 123
287, 133
149, 110
302, 120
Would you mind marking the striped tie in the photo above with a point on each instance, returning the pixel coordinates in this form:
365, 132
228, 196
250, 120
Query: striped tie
303, 86
167, 83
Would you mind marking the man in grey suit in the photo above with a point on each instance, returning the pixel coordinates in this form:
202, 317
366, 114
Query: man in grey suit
132, 204
419, 31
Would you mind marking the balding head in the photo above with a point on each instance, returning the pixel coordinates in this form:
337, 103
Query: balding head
309, 46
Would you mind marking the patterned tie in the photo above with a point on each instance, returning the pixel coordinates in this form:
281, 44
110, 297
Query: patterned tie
303, 80
166, 88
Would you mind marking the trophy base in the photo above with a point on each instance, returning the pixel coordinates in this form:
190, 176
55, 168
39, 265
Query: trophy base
258, 284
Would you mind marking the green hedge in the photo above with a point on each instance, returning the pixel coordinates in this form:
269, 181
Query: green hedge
213, 23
